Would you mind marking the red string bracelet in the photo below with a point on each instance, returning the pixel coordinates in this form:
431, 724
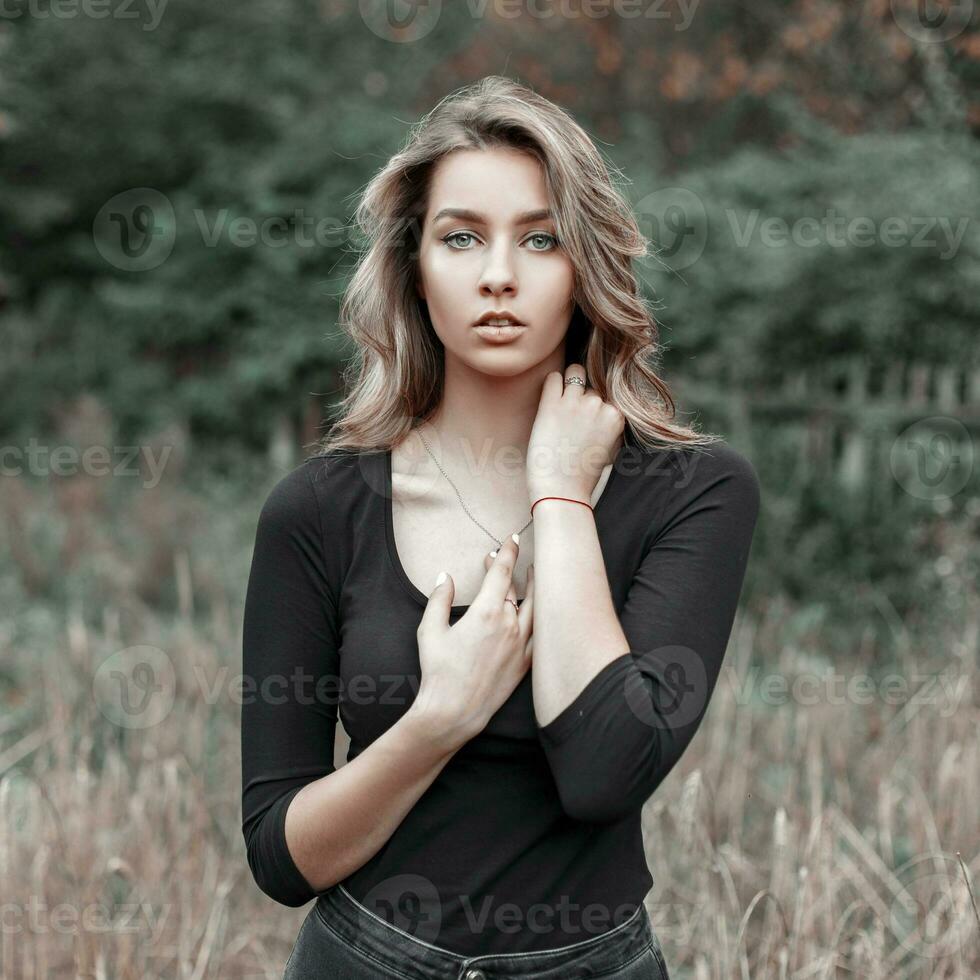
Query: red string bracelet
571, 500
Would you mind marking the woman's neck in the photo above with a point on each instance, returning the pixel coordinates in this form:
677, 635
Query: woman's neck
483, 422
490, 465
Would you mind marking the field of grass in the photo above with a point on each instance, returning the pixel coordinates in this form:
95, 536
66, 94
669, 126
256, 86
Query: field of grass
824, 823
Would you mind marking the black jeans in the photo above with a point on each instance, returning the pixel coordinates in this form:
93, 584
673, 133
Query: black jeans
342, 940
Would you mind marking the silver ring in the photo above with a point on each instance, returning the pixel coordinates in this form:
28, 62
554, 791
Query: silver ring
514, 604
575, 381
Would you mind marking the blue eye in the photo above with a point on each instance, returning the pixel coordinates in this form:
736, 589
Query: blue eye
547, 237
458, 234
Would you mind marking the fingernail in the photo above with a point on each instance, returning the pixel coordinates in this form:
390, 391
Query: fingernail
516, 538
493, 554
440, 578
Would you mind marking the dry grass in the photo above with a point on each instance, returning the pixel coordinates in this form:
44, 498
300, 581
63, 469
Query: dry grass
821, 837
825, 835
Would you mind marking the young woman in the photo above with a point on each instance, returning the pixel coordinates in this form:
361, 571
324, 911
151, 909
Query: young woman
487, 822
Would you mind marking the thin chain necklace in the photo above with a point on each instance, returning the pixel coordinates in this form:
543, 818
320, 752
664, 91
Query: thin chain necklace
460, 496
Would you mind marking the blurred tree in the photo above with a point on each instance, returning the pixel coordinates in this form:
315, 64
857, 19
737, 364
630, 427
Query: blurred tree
176, 201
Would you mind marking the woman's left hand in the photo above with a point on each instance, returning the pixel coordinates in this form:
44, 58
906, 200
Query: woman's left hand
574, 436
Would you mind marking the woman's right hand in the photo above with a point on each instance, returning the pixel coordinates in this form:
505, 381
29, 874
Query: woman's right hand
471, 668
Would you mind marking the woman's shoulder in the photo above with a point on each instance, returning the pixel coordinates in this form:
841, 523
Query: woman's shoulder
716, 461
326, 481
684, 474
339, 467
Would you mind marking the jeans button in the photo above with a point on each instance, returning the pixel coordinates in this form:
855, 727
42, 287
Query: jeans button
475, 975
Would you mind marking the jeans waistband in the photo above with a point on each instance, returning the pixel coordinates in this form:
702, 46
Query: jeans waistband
393, 947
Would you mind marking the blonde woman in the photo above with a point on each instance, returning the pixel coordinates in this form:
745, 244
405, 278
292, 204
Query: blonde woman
508, 570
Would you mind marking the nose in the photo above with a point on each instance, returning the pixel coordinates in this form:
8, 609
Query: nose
498, 277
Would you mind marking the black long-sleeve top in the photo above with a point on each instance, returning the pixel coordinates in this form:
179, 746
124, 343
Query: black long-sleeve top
529, 838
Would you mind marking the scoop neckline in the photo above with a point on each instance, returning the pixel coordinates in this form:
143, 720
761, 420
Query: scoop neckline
394, 559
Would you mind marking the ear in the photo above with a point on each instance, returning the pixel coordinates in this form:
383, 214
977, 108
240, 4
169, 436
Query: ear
419, 288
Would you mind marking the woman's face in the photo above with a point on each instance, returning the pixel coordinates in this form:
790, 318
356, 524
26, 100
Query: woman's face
487, 247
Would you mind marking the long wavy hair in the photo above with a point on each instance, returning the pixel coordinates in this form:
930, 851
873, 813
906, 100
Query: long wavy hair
396, 382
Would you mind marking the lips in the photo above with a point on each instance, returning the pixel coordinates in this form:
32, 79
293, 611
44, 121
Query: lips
496, 319
499, 335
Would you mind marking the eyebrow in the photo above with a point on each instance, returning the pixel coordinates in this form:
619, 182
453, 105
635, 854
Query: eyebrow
464, 214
